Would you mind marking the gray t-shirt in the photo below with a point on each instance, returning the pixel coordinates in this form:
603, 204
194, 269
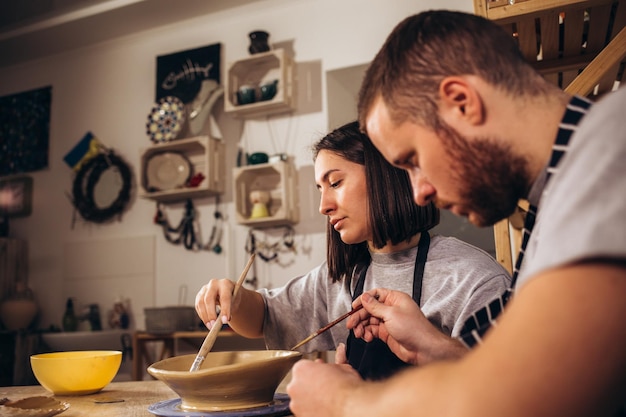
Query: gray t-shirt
582, 211
458, 279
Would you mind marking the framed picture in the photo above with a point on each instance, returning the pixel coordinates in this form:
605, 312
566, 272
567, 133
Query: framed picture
24, 131
16, 196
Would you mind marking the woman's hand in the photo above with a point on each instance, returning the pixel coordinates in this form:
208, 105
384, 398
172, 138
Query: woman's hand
244, 313
218, 292
341, 356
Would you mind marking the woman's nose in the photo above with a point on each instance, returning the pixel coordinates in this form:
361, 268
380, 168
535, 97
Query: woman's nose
326, 204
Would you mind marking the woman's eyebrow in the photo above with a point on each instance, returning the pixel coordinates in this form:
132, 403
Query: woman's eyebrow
325, 177
327, 174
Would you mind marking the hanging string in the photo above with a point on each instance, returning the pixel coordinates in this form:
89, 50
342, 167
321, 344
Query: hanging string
188, 230
274, 136
270, 251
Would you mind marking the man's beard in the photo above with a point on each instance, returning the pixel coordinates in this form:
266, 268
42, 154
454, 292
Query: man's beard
493, 179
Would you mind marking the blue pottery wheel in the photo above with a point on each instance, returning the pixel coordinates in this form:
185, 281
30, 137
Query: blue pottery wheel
171, 408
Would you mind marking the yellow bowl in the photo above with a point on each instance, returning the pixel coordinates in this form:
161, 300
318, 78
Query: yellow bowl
226, 380
76, 373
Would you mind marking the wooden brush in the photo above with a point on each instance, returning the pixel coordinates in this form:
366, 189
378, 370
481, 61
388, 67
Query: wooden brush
328, 326
210, 338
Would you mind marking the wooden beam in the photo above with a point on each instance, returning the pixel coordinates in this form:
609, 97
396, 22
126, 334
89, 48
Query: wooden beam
535, 8
549, 66
503, 244
480, 7
611, 55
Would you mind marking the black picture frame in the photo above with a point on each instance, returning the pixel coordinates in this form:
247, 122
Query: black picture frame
180, 74
24, 131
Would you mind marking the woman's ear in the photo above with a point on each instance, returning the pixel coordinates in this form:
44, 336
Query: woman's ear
460, 103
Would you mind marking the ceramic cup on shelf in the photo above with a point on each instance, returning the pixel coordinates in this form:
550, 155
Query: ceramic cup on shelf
268, 90
246, 94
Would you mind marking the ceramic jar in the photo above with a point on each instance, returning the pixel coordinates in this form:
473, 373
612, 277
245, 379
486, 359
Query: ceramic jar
258, 42
19, 310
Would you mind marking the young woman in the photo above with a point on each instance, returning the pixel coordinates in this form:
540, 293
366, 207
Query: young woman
377, 237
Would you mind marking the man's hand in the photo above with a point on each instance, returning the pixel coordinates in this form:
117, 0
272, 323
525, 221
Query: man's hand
397, 320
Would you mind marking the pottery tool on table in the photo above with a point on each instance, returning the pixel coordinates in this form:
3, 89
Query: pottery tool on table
328, 326
210, 338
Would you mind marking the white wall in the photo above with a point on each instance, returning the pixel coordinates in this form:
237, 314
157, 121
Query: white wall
109, 88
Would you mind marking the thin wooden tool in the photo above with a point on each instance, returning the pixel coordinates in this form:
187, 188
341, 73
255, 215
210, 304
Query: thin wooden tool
210, 338
328, 326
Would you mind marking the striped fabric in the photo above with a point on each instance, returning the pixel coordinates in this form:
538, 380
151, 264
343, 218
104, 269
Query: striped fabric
480, 322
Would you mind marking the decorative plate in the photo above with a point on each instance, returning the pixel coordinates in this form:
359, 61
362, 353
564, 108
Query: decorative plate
166, 171
166, 119
33, 407
171, 408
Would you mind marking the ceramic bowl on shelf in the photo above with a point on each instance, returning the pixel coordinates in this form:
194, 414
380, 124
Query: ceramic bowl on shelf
78, 372
226, 380
257, 158
167, 171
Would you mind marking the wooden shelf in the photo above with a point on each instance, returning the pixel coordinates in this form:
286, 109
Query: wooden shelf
257, 70
206, 156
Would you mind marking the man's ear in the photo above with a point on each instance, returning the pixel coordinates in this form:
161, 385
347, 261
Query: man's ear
460, 103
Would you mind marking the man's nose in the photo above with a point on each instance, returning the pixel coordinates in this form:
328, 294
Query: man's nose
423, 190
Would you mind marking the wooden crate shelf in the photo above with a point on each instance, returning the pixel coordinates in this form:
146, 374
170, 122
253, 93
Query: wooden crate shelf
254, 71
206, 156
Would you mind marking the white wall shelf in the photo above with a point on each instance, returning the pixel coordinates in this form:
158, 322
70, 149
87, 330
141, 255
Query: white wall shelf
280, 179
256, 70
206, 156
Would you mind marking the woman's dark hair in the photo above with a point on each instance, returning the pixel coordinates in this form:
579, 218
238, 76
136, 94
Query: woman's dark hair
393, 215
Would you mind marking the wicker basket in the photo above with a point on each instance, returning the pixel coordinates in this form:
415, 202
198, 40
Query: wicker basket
170, 319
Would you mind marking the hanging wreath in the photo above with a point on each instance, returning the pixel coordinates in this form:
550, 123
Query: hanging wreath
85, 183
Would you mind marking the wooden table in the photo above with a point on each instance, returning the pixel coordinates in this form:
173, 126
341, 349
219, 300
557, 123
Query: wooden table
118, 399
227, 340
128, 399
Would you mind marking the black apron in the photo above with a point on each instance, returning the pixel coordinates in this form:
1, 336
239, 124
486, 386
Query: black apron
374, 360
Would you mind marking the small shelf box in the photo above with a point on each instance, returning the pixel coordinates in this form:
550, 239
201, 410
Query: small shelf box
206, 156
280, 180
257, 70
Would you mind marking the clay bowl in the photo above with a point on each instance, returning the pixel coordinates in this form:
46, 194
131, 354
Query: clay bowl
226, 380
76, 373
